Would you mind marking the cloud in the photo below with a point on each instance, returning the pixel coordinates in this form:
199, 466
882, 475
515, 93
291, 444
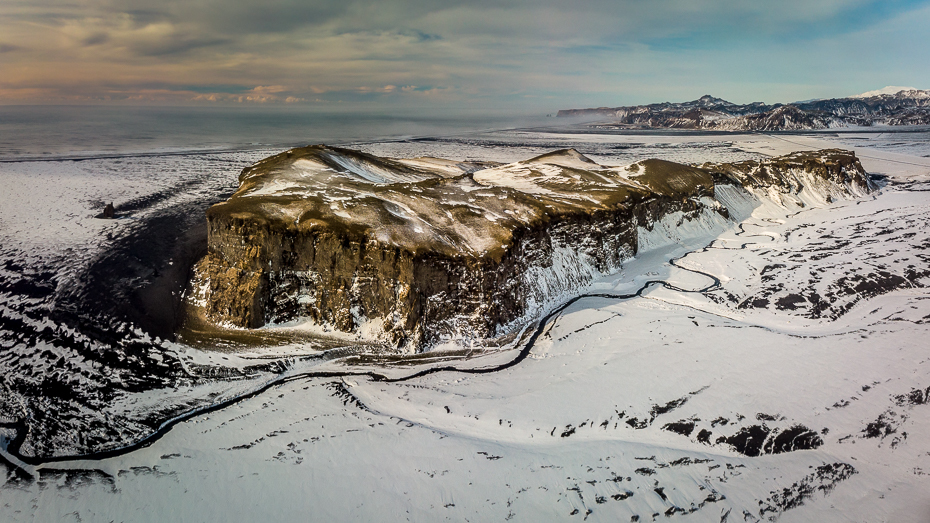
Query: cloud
481, 51
96, 39
269, 89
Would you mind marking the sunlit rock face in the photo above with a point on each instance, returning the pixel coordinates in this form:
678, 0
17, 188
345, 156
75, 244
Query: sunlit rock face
416, 252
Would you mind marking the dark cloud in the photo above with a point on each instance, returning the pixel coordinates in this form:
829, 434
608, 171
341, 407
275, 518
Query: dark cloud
598, 22
604, 19
174, 45
96, 39
234, 17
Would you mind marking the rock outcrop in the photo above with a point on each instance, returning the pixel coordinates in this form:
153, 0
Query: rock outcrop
798, 179
414, 252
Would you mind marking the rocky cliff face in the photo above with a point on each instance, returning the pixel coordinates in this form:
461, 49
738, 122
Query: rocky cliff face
907, 107
415, 252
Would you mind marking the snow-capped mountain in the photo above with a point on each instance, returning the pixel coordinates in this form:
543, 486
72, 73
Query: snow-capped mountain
890, 89
903, 106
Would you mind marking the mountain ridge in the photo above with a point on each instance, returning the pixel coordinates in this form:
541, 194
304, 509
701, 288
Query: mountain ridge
905, 107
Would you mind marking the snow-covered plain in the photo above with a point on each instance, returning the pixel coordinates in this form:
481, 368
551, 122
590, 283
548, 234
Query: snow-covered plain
781, 371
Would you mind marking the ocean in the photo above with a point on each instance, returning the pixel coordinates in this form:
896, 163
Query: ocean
42, 132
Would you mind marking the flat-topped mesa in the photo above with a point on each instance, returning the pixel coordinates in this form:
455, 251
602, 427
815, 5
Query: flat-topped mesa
802, 178
414, 252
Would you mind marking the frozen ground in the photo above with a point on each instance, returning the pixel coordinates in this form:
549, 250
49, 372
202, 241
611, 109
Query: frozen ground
782, 372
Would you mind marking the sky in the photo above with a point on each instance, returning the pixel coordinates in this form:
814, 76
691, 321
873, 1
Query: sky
491, 55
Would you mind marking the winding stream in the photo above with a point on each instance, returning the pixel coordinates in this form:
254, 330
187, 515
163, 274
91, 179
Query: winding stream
10, 449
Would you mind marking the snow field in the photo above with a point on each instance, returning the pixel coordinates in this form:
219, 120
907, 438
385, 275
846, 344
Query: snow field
579, 429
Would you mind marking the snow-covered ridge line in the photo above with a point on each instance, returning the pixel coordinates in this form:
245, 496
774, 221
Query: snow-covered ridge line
887, 90
904, 106
422, 253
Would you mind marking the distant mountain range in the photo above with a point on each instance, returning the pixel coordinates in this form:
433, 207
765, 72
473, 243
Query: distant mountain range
904, 107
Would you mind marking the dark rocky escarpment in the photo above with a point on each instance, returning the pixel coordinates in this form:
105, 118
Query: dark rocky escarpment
802, 178
413, 252
832, 168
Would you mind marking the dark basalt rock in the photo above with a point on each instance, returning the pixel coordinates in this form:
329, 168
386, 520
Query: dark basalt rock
684, 427
823, 480
833, 173
414, 252
109, 212
757, 440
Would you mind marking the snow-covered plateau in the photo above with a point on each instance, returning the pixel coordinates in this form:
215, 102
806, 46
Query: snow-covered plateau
766, 365
417, 253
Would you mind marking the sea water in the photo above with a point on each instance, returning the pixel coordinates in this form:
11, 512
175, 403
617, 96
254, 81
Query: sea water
34, 132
